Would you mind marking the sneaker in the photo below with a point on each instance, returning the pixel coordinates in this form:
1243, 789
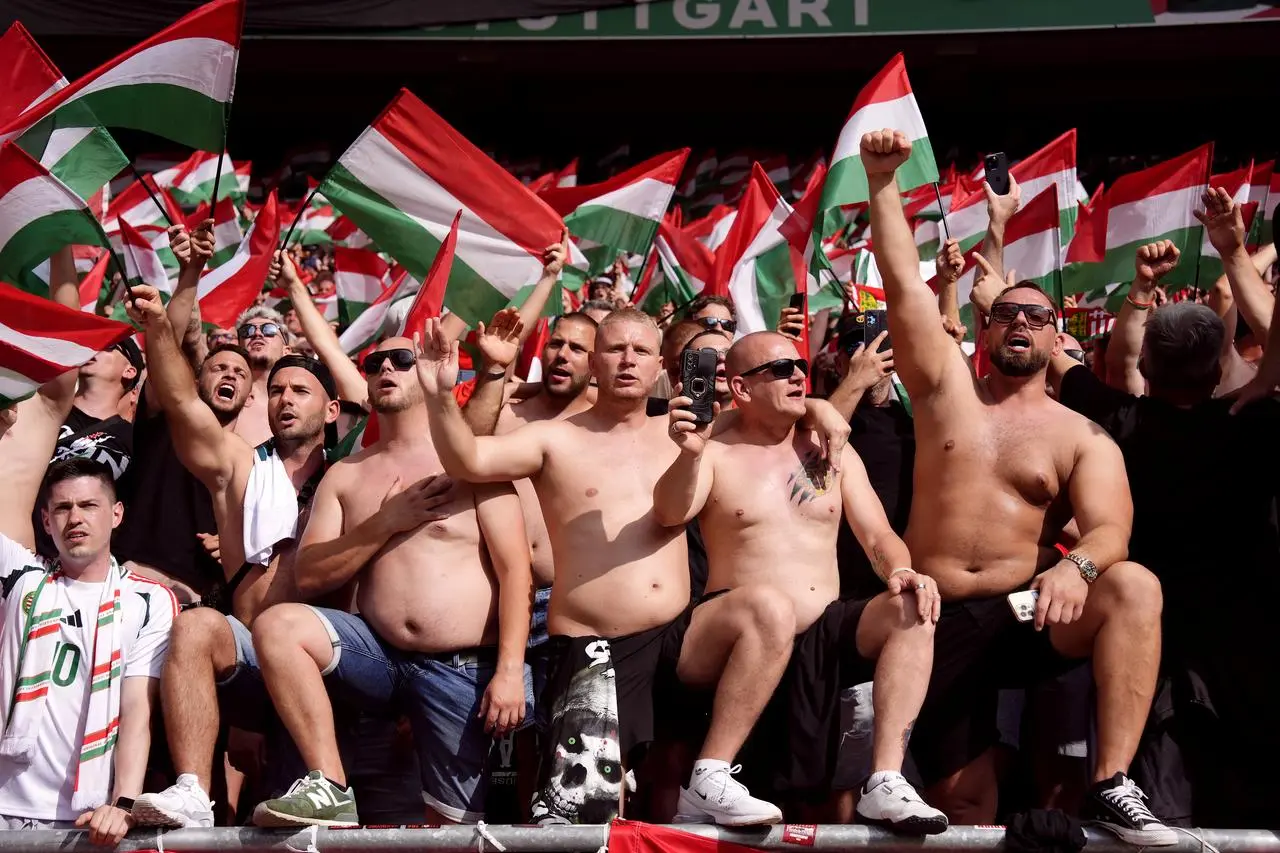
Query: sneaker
312, 801
894, 804
1119, 806
716, 797
180, 805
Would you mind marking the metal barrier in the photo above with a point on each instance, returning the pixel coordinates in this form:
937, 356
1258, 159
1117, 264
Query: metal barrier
590, 839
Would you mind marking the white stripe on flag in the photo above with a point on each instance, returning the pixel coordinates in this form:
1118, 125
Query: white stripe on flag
898, 114
29, 201
209, 68
646, 198
54, 350
61, 141
1151, 217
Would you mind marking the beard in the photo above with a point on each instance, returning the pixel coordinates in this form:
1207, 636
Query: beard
1019, 364
224, 410
573, 389
390, 406
302, 429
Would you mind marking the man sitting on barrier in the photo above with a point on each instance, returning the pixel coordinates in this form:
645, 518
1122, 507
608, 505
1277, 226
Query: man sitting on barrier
770, 508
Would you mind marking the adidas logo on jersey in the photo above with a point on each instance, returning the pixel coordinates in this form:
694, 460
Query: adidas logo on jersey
73, 620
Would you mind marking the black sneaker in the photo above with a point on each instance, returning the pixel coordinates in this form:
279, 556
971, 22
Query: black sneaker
1119, 806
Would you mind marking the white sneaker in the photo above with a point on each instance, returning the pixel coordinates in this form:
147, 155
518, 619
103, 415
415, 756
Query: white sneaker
894, 804
180, 805
716, 797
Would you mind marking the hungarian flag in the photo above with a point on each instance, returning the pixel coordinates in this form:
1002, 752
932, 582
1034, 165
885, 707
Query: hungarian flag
757, 266
313, 226
1032, 247
231, 288
686, 267
712, 229
41, 340
83, 158
226, 233
622, 213
176, 84
38, 215
1237, 184
359, 277
141, 263
157, 238
1269, 208
93, 287
244, 175
1158, 203
430, 299
367, 328
344, 232
136, 205
885, 102
194, 182
403, 180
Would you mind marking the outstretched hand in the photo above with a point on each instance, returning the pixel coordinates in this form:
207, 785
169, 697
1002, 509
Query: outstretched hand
437, 359
1001, 208
950, 260
1222, 220
883, 151
988, 284
499, 342
556, 255
202, 243
282, 271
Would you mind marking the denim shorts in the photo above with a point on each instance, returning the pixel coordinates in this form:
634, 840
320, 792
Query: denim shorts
242, 695
441, 694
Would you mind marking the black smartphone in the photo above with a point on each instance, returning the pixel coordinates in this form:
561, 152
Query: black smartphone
797, 301
997, 169
698, 381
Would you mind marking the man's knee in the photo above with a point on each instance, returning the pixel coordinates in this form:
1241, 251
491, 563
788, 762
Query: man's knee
201, 633
1132, 589
768, 613
284, 628
887, 615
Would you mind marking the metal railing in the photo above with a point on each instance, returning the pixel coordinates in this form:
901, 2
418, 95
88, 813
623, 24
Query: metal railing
590, 839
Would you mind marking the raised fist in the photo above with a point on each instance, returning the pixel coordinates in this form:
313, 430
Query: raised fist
883, 151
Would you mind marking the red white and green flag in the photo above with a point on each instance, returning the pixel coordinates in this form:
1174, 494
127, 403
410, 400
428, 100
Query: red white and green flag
685, 265
368, 327
622, 213
93, 287
1260, 194
176, 84
38, 215
231, 288
83, 158
313, 227
712, 229
227, 235
41, 340
359, 277
1237, 184
344, 232
885, 102
141, 263
1158, 203
403, 180
137, 206
757, 267
193, 184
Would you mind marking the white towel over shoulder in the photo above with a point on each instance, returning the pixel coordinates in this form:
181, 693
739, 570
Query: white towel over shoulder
270, 506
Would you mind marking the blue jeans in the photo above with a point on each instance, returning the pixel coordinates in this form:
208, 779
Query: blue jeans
442, 696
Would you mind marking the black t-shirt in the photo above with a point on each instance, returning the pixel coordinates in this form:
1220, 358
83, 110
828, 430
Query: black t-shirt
109, 441
884, 437
1204, 485
165, 507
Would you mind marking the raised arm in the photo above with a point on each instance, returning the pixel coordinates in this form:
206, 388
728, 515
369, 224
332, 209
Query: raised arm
950, 266
867, 366
488, 459
1152, 262
193, 251
346, 376
682, 490
329, 555
1224, 223
202, 445
499, 345
502, 526
925, 352
1000, 209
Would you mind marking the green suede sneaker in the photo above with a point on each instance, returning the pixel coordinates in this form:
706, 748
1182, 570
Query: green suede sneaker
312, 801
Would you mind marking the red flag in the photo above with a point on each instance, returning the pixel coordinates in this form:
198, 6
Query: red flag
233, 286
430, 299
29, 73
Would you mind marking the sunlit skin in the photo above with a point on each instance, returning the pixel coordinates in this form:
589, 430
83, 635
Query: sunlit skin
224, 384
263, 351
566, 359
392, 390
79, 516
1017, 349
297, 405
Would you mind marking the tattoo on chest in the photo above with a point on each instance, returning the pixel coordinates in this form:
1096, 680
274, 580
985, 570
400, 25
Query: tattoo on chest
812, 480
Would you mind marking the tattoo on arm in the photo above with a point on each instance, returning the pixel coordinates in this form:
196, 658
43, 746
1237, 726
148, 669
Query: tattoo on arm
880, 561
906, 733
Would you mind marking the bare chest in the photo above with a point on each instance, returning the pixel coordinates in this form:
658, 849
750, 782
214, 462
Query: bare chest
366, 492
608, 475
772, 490
1028, 455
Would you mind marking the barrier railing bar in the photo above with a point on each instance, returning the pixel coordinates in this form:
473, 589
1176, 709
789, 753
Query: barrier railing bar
586, 839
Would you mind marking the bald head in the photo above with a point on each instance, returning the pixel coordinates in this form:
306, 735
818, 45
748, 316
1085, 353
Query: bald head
755, 349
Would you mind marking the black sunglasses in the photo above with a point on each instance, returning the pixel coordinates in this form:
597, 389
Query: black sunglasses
249, 331
401, 359
729, 326
782, 368
1038, 316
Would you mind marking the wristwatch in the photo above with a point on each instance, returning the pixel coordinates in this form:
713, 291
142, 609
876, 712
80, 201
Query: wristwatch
124, 803
1088, 569
495, 374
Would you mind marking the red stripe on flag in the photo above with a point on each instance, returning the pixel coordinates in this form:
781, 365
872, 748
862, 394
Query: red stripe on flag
486, 189
29, 73
891, 83
665, 168
222, 305
430, 299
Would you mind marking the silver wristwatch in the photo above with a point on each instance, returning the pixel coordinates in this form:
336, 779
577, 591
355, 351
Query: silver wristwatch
1088, 569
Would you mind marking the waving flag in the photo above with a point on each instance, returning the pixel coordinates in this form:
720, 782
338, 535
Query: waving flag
885, 102
93, 287
1237, 185
430, 299
344, 232
406, 176
359, 277
1260, 195
40, 340
686, 266
366, 328
232, 287
136, 205
176, 84
83, 158
141, 263
38, 215
194, 182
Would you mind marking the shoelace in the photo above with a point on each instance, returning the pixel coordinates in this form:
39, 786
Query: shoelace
1129, 798
728, 783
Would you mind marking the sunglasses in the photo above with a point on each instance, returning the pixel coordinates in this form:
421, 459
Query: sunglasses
1038, 316
729, 326
249, 331
782, 368
401, 359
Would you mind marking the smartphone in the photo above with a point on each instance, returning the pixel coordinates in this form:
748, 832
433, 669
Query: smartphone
698, 381
873, 323
1023, 604
797, 301
997, 168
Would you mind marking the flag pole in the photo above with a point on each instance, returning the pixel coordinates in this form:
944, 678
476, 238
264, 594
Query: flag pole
937, 193
217, 175
298, 217
159, 206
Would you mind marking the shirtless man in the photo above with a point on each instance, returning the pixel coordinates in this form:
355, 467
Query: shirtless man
1000, 468
770, 510
443, 606
620, 603
256, 495
263, 334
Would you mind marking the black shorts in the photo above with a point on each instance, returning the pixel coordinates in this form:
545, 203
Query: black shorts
979, 648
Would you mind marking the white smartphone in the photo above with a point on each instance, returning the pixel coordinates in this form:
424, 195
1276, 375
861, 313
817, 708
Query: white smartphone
1023, 604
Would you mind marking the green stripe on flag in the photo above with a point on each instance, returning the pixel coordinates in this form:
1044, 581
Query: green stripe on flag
41, 238
847, 180
1118, 263
174, 112
775, 282
612, 227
